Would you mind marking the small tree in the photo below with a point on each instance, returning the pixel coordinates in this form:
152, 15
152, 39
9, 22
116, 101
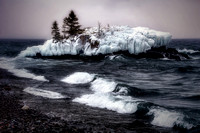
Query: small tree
55, 32
71, 26
65, 27
99, 32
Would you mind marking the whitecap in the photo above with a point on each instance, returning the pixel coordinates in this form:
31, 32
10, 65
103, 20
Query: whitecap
120, 104
105, 97
44, 93
166, 118
190, 51
112, 57
79, 78
103, 85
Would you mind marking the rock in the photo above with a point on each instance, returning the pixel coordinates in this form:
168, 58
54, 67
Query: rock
7, 88
154, 55
94, 44
172, 51
159, 49
38, 55
184, 55
176, 57
83, 39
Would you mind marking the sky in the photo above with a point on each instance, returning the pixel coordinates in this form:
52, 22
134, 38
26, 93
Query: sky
32, 19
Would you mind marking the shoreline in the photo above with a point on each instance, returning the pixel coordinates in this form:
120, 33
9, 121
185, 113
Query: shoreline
15, 117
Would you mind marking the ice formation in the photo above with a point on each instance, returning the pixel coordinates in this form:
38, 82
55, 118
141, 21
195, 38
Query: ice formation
106, 41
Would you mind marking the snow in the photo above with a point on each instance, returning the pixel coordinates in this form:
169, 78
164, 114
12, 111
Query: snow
112, 39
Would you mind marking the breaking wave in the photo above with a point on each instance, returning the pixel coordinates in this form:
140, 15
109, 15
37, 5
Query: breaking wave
190, 51
108, 94
104, 97
79, 78
7, 64
166, 118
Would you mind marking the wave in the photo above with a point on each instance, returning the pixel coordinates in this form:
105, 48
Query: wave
117, 58
187, 69
8, 64
104, 97
120, 104
79, 78
108, 94
194, 97
190, 51
134, 91
103, 85
44, 93
166, 118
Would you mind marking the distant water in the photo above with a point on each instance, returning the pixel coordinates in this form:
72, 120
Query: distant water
161, 92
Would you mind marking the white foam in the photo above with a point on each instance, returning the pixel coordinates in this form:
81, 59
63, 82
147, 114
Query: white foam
23, 73
108, 101
112, 57
116, 57
44, 93
104, 97
103, 85
122, 91
166, 118
190, 51
79, 78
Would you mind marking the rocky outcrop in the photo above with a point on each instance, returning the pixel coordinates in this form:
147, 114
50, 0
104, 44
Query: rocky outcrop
153, 53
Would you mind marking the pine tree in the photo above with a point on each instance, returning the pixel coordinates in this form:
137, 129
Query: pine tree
55, 32
71, 26
65, 27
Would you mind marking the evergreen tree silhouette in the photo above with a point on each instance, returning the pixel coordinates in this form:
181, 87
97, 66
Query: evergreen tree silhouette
71, 26
55, 32
65, 27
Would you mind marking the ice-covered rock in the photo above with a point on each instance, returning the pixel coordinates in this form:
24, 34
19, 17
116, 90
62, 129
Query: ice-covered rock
106, 41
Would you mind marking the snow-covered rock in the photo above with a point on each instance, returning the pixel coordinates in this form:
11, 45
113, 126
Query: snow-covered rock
106, 41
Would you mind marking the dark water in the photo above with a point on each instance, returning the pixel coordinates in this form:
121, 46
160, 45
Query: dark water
162, 93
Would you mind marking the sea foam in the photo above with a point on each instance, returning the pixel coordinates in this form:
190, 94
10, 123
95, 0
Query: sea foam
44, 93
166, 118
8, 64
190, 51
104, 97
79, 78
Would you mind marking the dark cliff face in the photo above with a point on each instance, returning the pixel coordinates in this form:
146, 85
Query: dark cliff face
163, 52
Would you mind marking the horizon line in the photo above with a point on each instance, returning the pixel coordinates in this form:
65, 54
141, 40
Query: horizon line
51, 38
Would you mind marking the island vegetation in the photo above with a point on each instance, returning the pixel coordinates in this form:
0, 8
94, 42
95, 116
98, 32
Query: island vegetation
70, 28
